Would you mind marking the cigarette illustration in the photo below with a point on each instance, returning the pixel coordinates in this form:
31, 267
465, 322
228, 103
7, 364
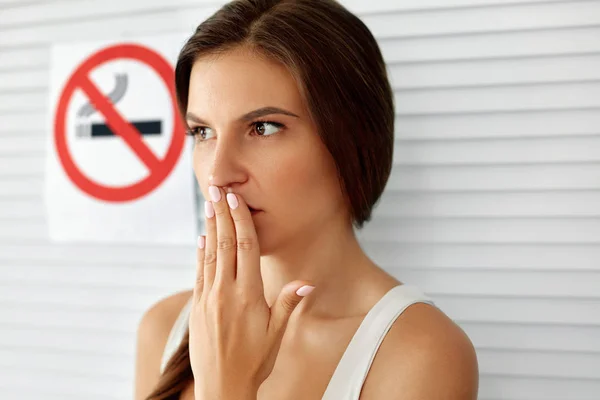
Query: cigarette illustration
85, 129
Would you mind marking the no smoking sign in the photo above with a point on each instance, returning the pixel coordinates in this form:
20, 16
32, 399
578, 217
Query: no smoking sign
117, 168
119, 125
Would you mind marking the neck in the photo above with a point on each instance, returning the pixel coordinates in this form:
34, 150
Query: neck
330, 258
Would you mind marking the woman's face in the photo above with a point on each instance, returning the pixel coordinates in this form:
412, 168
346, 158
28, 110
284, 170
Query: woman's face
253, 134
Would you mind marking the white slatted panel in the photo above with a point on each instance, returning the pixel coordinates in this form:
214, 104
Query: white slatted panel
493, 207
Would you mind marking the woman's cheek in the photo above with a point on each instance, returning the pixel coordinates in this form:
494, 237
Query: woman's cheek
200, 164
297, 177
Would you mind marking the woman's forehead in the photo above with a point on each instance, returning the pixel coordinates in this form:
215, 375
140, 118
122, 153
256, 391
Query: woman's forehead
240, 81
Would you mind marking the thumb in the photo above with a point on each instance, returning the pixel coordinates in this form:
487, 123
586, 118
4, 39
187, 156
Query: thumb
286, 303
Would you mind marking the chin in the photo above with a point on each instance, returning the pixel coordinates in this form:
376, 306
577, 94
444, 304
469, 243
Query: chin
266, 241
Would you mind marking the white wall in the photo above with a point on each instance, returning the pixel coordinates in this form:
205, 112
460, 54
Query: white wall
493, 207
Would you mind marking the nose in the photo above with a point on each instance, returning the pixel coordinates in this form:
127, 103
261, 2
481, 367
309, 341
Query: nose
226, 168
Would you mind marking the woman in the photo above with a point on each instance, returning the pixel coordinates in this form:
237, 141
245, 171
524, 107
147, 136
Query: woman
293, 119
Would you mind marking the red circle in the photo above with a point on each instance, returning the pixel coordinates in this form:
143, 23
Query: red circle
158, 175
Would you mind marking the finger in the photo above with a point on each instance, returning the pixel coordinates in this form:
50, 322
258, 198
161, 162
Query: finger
286, 303
248, 252
226, 239
199, 286
210, 249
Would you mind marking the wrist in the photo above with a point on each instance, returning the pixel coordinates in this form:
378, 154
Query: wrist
234, 392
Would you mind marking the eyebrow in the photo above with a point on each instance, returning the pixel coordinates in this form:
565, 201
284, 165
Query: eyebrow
248, 116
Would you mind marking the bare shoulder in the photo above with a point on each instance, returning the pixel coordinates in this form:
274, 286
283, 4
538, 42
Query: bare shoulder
152, 334
425, 355
159, 318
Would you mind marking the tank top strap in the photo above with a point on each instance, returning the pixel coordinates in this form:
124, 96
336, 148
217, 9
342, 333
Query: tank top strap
351, 372
176, 335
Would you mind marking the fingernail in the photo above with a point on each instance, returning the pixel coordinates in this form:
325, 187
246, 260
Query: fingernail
200, 242
232, 201
209, 210
215, 194
304, 290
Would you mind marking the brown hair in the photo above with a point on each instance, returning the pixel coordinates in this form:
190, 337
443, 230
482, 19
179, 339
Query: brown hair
342, 78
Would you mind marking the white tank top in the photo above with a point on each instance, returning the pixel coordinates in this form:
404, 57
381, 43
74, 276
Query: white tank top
351, 371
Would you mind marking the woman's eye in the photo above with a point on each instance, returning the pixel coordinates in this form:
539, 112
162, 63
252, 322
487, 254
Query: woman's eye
267, 128
262, 129
200, 133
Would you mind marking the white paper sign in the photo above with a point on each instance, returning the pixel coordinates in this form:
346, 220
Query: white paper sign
119, 164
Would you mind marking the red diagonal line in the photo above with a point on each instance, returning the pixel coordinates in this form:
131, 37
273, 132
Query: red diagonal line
118, 124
